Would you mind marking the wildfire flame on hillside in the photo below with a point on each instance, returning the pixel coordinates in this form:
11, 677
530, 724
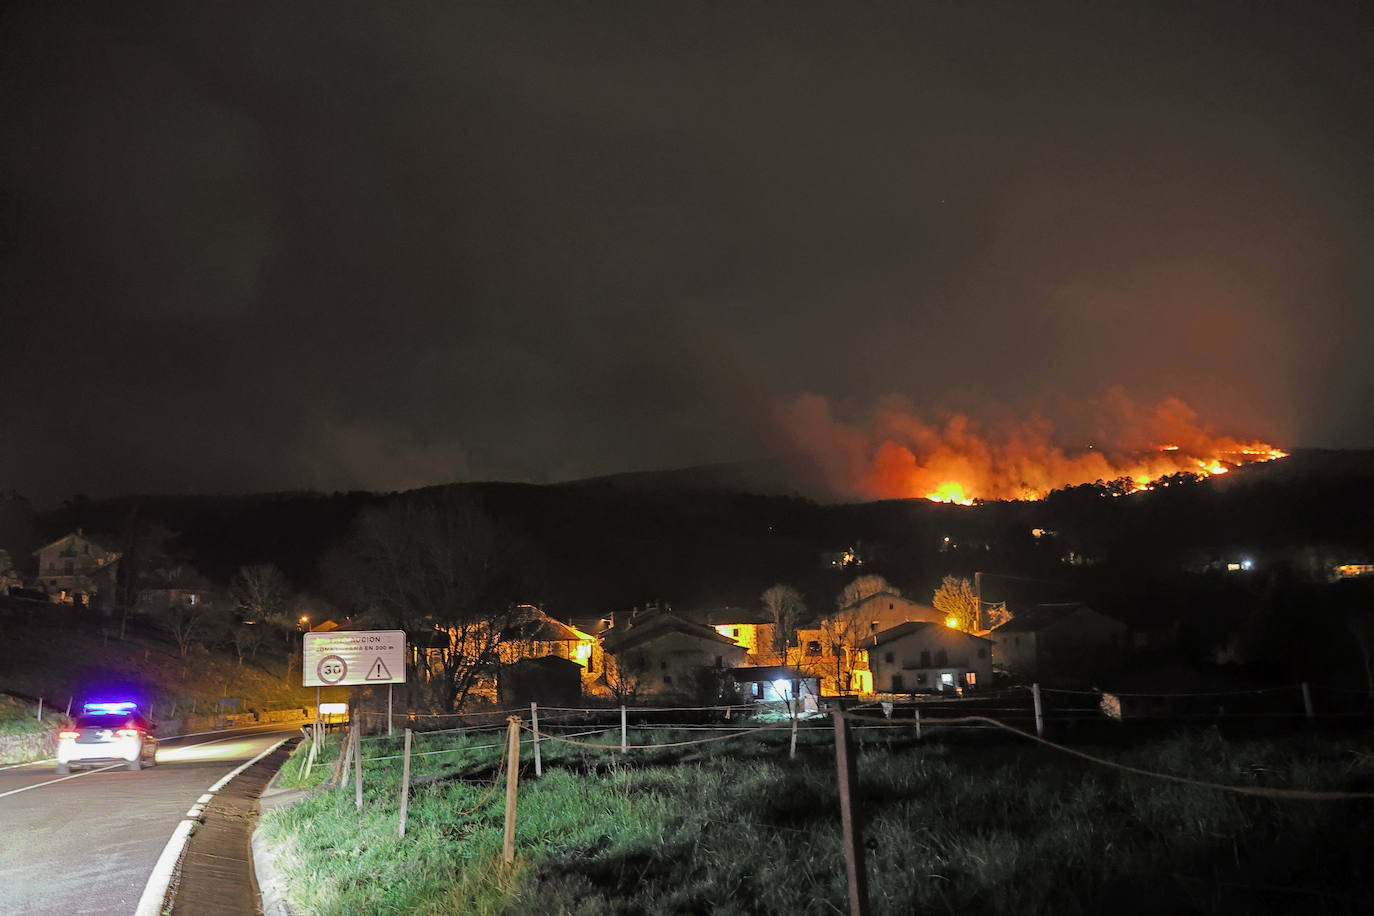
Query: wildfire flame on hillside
897, 455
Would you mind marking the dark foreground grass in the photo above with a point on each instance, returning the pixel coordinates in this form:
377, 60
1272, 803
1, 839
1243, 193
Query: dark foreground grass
966, 826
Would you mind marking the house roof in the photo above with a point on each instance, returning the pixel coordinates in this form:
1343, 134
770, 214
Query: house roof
651, 625
544, 629
1044, 616
79, 536
720, 616
911, 627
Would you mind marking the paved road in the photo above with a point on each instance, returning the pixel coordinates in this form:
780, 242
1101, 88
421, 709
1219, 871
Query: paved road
87, 843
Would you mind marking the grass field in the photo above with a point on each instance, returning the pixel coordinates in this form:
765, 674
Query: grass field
964, 824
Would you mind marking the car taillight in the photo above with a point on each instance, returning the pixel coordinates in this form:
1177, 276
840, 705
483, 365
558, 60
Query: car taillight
127, 733
68, 734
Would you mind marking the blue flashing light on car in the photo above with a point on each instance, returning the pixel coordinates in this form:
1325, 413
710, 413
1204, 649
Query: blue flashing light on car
111, 709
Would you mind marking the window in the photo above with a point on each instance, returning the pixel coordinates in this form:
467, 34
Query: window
941, 658
897, 685
591, 666
667, 678
720, 661
812, 648
946, 679
982, 652
736, 632
873, 626
889, 605
887, 657
925, 658
662, 666
970, 678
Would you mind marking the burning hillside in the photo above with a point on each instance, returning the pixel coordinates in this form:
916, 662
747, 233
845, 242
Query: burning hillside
895, 454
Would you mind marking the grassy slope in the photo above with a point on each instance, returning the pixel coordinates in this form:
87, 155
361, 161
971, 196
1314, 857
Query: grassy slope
736, 827
61, 654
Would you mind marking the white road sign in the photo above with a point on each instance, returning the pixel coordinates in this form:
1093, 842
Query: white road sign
347, 658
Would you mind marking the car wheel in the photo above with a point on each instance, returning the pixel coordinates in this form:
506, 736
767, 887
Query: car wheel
136, 764
63, 769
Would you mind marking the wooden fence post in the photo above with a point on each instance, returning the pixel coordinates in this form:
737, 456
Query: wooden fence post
358, 766
405, 784
853, 847
534, 727
512, 779
1039, 715
793, 753
345, 758
1307, 701
918, 723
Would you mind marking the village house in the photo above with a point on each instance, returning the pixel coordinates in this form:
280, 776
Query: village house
534, 634
832, 647
658, 652
1066, 639
176, 585
76, 570
923, 656
778, 685
752, 629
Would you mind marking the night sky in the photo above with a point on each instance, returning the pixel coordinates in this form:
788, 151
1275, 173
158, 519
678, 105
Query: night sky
255, 247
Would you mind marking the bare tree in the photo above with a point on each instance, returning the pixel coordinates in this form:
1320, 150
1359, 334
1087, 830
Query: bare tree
435, 563
864, 587
784, 605
187, 622
623, 675
956, 601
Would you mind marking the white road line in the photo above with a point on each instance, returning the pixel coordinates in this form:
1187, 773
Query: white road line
150, 904
39, 785
224, 781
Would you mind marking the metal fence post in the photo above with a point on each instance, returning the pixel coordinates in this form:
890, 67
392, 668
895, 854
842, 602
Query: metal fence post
624, 731
1307, 701
1039, 714
534, 727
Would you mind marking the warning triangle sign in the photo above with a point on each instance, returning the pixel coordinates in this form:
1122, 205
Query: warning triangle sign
378, 672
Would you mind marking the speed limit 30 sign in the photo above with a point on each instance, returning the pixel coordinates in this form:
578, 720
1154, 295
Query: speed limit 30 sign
343, 658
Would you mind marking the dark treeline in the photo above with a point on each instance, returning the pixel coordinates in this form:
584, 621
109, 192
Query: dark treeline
619, 543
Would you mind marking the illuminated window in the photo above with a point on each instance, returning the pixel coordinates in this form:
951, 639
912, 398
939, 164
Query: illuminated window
971, 678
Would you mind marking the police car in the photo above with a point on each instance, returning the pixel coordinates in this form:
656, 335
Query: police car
107, 733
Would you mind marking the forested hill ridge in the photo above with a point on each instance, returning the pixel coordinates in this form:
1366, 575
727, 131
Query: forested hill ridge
689, 539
